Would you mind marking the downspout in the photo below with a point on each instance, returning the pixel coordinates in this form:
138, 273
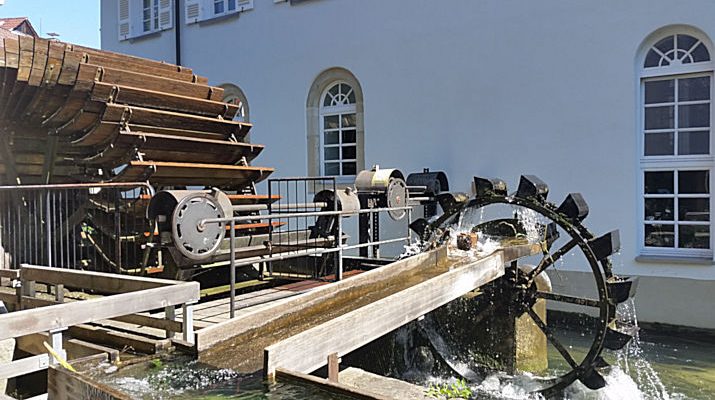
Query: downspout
177, 30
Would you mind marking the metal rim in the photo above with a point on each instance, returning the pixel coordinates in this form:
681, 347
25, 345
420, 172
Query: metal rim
601, 271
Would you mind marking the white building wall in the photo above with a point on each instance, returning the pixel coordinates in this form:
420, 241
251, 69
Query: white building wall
494, 88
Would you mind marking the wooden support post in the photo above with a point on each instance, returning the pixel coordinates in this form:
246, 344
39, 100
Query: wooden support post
56, 343
60, 293
170, 314
333, 367
28, 288
188, 321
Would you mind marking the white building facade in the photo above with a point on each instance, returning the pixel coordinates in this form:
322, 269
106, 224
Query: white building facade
608, 98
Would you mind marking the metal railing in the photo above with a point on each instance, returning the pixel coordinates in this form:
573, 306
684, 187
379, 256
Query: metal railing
94, 226
335, 246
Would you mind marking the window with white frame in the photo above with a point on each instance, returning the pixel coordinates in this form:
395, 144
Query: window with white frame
338, 126
202, 10
142, 17
675, 157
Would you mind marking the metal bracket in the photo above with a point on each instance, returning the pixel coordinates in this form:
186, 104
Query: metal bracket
124, 120
113, 94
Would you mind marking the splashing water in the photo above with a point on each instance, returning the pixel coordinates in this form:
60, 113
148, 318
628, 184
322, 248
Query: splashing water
530, 220
632, 358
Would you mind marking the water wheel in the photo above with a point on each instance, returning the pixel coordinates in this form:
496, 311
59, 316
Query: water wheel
564, 239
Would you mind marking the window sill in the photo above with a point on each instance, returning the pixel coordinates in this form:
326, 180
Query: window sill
675, 260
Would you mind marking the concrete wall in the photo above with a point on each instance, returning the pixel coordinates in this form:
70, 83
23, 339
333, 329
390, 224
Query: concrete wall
494, 88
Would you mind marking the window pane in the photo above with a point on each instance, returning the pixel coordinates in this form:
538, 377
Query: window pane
693, 182
700, 53
685, 42
694, 209
660, 182
665, 45
694, 237
332, 153
657, 235
218, 7
349, 168
693, 116
349, 153
659, 144
660, 91
697, 142
331, 138
348, 120
147, 3
652, 59
332, 169
231, 5
331, 122
659, 209
659, 117
349, 136
692, 89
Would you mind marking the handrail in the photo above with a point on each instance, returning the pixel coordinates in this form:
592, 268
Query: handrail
130, 185
142, 294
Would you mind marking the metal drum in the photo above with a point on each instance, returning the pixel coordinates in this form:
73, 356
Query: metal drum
387, 186
179, 214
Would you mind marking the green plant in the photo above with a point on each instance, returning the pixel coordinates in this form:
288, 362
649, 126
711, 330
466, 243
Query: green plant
156, 363
454, 390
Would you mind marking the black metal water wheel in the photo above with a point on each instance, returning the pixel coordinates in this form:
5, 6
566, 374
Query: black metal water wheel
518, 287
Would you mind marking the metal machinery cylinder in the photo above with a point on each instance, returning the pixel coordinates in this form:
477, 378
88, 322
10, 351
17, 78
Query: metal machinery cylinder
179, 214
426, 185
346, 201
385, 187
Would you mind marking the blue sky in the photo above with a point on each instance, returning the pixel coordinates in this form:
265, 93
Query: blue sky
77, 21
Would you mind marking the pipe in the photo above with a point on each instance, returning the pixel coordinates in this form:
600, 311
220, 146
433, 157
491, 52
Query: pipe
177, 31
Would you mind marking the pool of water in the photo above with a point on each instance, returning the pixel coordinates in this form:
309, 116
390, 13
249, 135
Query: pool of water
657, 367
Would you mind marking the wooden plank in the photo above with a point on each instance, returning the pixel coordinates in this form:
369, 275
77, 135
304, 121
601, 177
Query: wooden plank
144, 97
122, 77
76, 349
65, 315
64, 384
326, 385
10, 273
309, 350
24, 366
120, 340
176, 120
99, 281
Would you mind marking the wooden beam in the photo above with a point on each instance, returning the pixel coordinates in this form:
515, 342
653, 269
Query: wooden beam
136, 319
76, 348
309, 350
24, 366
64, 384
328, 386
68, 314
97, 281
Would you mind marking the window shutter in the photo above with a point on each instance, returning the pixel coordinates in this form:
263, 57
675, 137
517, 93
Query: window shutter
166, 14
244, 5
125, 25
193, 11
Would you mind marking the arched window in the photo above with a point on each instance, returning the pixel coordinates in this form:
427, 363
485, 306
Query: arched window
676, 91
335, 125
234, 95
338, 131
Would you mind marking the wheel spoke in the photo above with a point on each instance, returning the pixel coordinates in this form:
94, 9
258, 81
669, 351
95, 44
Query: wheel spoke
569, 299
561, 349
550, 258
